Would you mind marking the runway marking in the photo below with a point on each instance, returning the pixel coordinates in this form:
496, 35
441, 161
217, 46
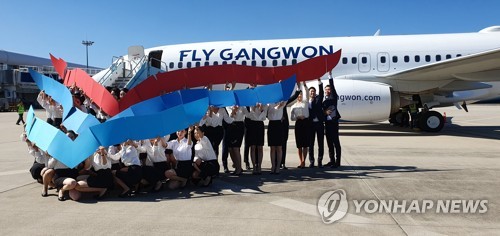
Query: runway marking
13, 172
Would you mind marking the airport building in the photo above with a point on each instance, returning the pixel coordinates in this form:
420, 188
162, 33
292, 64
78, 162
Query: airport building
16, 83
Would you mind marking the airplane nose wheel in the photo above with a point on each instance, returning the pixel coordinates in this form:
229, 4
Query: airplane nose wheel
431, 121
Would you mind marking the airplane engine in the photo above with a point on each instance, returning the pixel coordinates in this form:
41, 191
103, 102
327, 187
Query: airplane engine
365, 100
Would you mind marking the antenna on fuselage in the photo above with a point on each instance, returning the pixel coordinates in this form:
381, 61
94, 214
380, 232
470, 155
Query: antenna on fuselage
377, 33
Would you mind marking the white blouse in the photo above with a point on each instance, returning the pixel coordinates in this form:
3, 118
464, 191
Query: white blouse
204, 150
49, 109
274, 113
39, 155
256, 114
181, 150
299, 109
129, 156
112, 151
55, 164
98, 164
216, 119
156, 153
239, 115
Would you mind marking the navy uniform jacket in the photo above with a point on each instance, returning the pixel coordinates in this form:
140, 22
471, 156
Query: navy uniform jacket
316, 110
331, 102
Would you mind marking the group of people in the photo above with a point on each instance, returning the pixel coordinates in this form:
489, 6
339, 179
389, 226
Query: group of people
192, 154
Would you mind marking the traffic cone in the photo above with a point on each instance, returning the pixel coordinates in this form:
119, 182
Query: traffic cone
444, 117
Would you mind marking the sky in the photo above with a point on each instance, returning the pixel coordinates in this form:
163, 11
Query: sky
38, 28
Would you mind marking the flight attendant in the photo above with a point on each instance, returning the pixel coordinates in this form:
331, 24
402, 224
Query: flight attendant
156, 162
100, 177
131, 173
234, 139
332, 117
205, 160
275, 134
300, 114
254, 135
317, 118
286, 127
182, 150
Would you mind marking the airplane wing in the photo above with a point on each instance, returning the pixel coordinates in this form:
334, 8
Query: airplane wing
483, 67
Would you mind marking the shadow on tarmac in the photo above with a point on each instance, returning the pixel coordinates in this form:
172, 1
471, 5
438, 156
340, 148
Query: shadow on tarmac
227, 185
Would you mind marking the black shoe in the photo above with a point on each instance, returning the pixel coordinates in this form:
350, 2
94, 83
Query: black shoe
125, 194
320, 165
329, 164
45, 194
62, 199
226, 170
248, 166
284, 167
17, 123
311, 165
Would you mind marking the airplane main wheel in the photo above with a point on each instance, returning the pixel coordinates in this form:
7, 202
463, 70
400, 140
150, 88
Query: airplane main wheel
431, 121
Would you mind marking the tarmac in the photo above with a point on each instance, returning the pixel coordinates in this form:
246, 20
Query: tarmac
379, 162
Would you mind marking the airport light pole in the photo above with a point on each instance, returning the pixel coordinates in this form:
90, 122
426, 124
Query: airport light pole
87, 43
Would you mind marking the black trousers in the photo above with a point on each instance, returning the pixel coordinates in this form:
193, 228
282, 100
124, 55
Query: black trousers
20, 119
225, 148
317, 130
286, 127
333, 141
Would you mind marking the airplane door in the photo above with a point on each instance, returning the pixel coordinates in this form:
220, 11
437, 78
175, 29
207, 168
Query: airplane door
364, 62
155, 58
383, 63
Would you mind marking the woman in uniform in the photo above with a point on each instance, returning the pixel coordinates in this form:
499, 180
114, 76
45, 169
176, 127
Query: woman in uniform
131, 173
100, 177
205, 160
300, 114
181, 149
275, 135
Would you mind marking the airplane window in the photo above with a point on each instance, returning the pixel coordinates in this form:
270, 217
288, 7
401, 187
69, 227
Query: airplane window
459, 55
407, 59
438, 57
395, 59
364, 60
294, 61
216, 63
275, 62
171, 65
179, 65
207, 63
417, 58
427, 58
264, 62
233, 62
244, 63
382, 59
448, 56
188, 65
198, 64
254, 63
344, 60
283, 62
354, 60
224, 63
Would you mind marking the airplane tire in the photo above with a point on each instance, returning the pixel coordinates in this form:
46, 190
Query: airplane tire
431, 121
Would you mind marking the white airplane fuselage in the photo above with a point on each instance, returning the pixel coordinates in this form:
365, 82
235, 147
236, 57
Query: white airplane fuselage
363, 94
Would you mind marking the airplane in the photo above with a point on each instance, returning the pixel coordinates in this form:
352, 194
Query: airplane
376, 76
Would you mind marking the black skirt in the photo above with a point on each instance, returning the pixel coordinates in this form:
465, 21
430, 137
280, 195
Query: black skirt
131, 177
103, 179
209, 168
255, 133
275, 133
235, 132
62, 174
155, 173
302, 133
184, 169
36, 169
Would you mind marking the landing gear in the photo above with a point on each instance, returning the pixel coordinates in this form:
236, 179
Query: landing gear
431, 121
